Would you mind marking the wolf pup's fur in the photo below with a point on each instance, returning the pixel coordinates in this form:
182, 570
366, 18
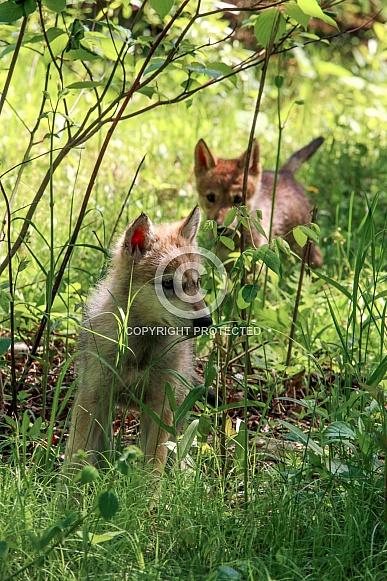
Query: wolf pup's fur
125, 304
220, 181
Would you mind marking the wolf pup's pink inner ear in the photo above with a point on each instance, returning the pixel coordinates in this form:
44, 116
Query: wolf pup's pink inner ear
204, 159
139, 237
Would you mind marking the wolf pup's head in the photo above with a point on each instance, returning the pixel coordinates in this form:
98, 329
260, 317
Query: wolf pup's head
165, 269
220, 182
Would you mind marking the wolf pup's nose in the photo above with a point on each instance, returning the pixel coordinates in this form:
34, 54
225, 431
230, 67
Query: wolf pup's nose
200, 324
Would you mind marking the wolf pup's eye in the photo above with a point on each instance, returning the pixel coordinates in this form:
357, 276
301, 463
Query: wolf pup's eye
167, 284
211, 198
238, 200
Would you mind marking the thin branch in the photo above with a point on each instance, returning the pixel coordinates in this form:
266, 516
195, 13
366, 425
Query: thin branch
26, 157
13, 62
54, 62
305, 258
13, 406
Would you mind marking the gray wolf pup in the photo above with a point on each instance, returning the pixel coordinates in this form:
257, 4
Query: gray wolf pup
130, 344
220, 181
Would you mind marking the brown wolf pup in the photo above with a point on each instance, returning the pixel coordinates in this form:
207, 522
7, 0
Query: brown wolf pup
220, 181
130, 344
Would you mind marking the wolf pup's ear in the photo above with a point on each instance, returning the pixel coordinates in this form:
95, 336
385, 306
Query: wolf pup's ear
139, 237
190, 226
254, 163
204, 159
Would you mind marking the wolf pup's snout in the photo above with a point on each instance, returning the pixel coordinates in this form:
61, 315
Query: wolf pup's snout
202, 323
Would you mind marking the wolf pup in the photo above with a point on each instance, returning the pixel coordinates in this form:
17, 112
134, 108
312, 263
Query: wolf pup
220, 182
130, 341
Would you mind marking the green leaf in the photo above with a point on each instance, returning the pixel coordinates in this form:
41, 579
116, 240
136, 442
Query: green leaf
34, 540
147, 91
55, 5
57, 46
107, 504
227, 242
188, 403
240, 441
257, 223
312, 8
225, 70
226, 573
9, 12
205, 71
155, 64
309, 233
67, 522
162, 7
130, 454
29, 6
334, 283
84, 85
300, 237
303, 438
48, 535
205, 425
34, 431
339, 430
230, 217
4, 345
265, 24
378, 375
297, 14
108, 536
269, 258
89, 474
187, 439
249, 292
81, 54
3, 549
171, 397
210, 375
282, 245
241, 301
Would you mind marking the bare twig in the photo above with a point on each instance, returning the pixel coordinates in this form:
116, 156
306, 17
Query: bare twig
13, 62
26, 157
13, 406
305, 258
